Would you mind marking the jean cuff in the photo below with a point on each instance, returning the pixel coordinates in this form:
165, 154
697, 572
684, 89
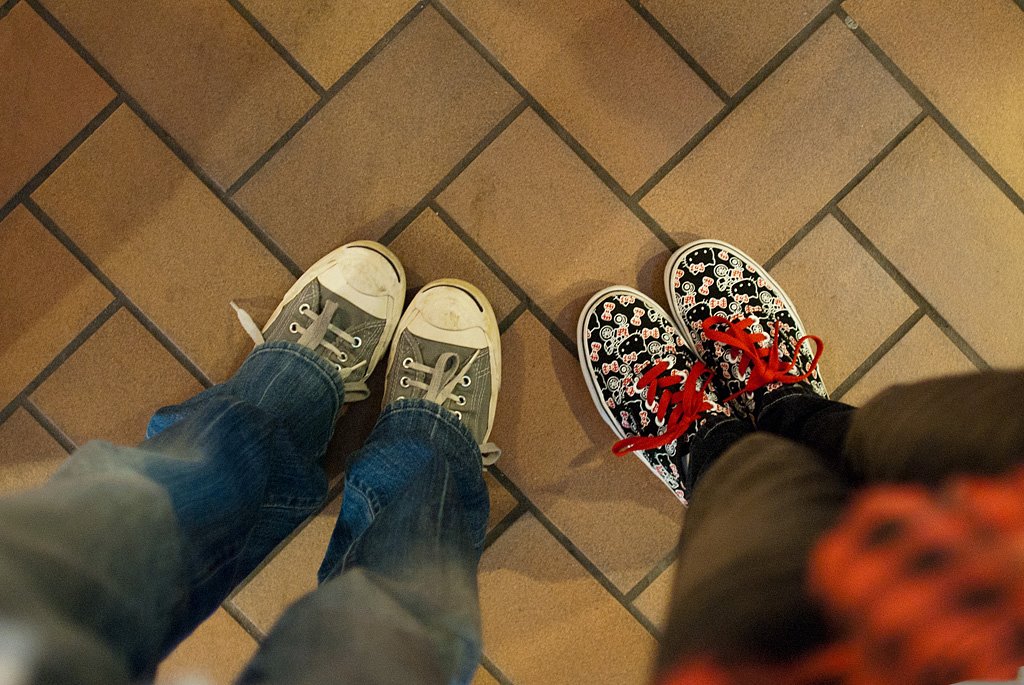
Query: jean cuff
290, 377
425, 419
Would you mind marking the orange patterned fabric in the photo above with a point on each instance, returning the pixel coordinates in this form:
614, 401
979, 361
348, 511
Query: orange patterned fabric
926, 586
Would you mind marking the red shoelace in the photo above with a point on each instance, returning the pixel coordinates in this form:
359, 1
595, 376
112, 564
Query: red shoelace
681, 406
764, 362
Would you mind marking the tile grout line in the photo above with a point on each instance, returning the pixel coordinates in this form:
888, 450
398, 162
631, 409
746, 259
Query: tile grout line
277, 47
911, 291
574, 551
865, 171
876, 356
399, 226
65, 152
48, 424
243, 621
509, 282
505, 523
80, 338
512, 317
255, 229
327, 96
925, 103
678, 48
7, 7
495, 672
732, 103
656, 571
164, 339
581, 152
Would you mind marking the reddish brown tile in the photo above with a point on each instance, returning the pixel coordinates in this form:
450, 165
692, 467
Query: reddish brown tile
328, 36
113, 383
549, 223
199, 69
733, 39
429, 250
924, 352
967, 58
546, 620
46, 298
28, 455
558, 451
166, 240
843, 296
217, 652
378, 147
953, 234
49, 95
602, 72
787, 149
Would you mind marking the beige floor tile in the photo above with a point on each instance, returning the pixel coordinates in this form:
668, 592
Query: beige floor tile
166, 240
49, 95
788, 149
28, 455
549, 223
733, 39
203, 73
327, 36
558, 451
547, 621
429, 250
967, 58
291, 574
655, 600
377, 148
842, 296
217, 651
950, 231
602, 72
46, 298
924, 352
112, 384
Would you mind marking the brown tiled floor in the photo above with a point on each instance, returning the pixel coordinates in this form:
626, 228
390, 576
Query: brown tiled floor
160, 159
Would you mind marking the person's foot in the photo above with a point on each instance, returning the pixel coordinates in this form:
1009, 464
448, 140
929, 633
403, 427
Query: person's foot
741, 323
647, 383
447, 350
345, 308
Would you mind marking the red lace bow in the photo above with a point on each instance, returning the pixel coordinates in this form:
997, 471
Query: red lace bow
764, 362
681, 406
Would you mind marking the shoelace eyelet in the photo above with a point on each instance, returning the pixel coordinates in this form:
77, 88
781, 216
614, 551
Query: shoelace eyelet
343, 357
404, 382
294, 328
338, 367
466, 380
407, 362
357, 342
458, 414
461, 400
303, 308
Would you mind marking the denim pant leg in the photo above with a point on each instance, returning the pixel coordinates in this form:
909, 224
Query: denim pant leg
126, 550
398, 601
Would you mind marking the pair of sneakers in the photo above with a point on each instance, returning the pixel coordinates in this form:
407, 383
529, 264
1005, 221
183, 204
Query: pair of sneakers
445, 348
732, 337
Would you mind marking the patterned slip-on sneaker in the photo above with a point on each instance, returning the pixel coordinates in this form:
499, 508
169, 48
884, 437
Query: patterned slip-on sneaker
345, 308
740, 322
447, 350
647, 383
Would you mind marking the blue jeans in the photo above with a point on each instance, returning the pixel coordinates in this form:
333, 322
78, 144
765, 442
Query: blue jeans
109, 565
